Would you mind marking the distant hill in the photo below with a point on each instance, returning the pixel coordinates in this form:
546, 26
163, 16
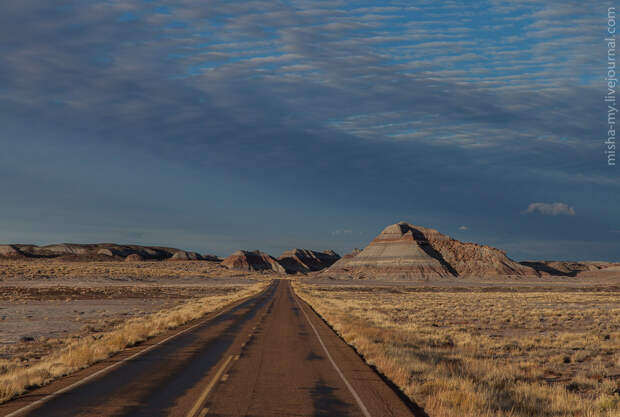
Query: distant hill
292, 261
406, 251
252, 261
100, 251
572, 269
305, 260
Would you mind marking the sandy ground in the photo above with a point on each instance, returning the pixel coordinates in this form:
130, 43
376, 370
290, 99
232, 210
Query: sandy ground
45, 303
588, 282
41, 319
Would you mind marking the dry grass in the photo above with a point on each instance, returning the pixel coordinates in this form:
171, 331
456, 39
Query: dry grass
29, 269
473, 354
15, 378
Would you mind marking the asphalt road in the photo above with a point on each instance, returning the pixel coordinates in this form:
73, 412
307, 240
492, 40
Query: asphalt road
269, 355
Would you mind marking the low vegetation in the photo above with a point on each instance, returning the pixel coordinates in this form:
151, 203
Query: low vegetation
485, 353
31, 269
17, 377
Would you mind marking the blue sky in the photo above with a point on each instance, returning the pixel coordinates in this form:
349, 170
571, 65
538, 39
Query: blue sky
221, 125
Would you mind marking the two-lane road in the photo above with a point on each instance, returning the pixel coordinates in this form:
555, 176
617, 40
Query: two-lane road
270, 355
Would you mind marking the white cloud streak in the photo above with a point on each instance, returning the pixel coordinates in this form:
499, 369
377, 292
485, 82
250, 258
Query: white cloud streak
550, 209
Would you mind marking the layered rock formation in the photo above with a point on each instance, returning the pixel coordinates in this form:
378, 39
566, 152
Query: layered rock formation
571, 269
182, 255
98, 251
305, 260
399, 252
353, 253
405, 251
252, 261
471, 259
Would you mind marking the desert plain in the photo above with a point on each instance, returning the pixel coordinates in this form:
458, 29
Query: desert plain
455, 329
514, 349
51, 306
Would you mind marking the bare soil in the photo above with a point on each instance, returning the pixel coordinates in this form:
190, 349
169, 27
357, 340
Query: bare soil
47, 303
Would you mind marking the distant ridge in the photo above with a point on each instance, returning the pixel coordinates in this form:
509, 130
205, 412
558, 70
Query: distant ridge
243, 260
100, 251
571, 269
306, 260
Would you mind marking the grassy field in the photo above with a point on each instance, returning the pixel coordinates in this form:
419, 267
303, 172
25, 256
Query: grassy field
77, 352
36, 269
479, 353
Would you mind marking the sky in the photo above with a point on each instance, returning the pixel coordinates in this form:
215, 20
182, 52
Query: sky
222, 125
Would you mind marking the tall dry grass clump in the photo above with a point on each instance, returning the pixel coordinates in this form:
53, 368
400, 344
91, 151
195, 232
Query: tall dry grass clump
481, 354
78, 354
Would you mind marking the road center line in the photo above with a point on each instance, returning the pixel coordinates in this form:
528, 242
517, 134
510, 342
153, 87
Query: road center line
209, 387
111, 367
344, 379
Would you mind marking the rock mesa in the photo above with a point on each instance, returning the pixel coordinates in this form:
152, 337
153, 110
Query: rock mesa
405, 251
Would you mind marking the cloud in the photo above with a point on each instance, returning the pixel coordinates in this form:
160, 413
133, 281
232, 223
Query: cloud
550, 209
250, 93
463, 228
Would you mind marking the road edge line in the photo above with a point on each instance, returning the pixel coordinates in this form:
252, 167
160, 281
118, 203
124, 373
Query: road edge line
329, 356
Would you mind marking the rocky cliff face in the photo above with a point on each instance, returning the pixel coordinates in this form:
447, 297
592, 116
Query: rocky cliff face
252, 261
305, 260
471, 259
405, 251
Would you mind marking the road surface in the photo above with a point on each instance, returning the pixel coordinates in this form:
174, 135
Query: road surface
269, 355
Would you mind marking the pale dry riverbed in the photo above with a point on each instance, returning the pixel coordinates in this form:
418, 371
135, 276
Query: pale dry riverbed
35, 316
58, 317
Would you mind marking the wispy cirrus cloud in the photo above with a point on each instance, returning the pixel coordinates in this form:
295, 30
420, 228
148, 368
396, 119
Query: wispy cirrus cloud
361, 63
373, 104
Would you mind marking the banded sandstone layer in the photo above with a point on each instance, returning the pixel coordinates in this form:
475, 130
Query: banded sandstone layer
305, 260
100, 251
252, 261
405, 251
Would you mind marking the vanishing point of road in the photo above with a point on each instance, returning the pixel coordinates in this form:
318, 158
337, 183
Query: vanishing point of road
268, 355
